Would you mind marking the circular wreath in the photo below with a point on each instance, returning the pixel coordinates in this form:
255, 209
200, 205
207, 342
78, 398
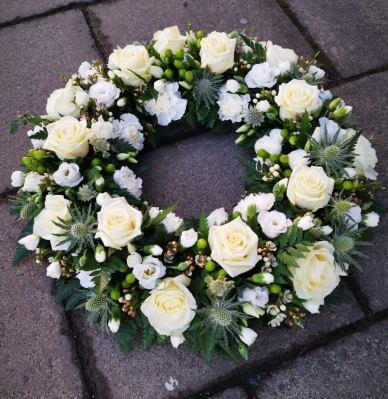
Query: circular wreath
213, 281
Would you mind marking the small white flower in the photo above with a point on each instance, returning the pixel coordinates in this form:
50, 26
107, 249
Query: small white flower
32, 181
17, 178
353, 217
232, 85
273, 310
327, 230
125, 178
102, 197
81, 98
134, 259
317, 72
263, 106
306, 222
85, 279
35, 142
258, 296
154, 211
31, 241
217, 217
172, 222
371, 219
189, 238
325, 94
54, 270
176, 340
101, 130
114, 325
248, 336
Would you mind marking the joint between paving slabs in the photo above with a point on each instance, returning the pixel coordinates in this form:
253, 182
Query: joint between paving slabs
361, 299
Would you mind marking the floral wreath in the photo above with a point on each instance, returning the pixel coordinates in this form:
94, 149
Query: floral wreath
210, 282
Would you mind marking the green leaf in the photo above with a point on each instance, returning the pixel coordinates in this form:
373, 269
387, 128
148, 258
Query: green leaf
305, 125
302, 247
203, 226
75, 299
295, 253
149, 335
278, 278
223, 350
120, 145
160, 216
202, 113
337, 296
40, 135
283, 240
293, 234
192, 62
15, 126
250, 166
287, 259
125, 334
66, 287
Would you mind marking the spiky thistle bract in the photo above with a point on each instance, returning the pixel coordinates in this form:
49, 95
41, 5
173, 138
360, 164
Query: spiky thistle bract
205, 87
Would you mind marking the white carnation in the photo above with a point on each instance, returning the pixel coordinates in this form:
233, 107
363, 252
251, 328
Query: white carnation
128, 129
232, 106
125, 178
258, 296
32, 181
217, 217
101, 130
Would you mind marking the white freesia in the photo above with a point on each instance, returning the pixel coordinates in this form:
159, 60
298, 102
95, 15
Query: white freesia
234, 247
169, 38
217, 217
262, 75
298, 157
263, 106
125, 178
317, 275
134, 259
232, 85
306, 222
172, 222
366, 158
56, 206
102, 197
258, 297
273, 223
68, 175
118, 223
68, 138
104, 93
101, 130
54, 270
17, 178
114, 325
279, 57
317, 72
189, 238
309, 187
217, 52
32, 181
149, 271
85, 279
232, 106
248, 336
262, 201
296, 97
31, 241
36, 143
62, 102
371, 219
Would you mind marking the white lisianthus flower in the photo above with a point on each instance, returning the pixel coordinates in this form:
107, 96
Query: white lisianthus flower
217, 52
149, 271
100, 254
86, 71
54, 270
68, 138
306, 222
217, 217
153, 250
175, 318
189, 238
317, 275
68, 175
325, 94
296, 97
118, 223
273, 223
263, 106
62, 102
309, 187
129, 129
123, 62
31, 242
134, 259
371, 219
102, 197
125, 178
366, 159
169, 38
298, 157
104, 93
114, 325
248, 336
232, 85
234, 247
101, 130
172, 222
169, 105
258, 297
353, 216
32, 181
279, 57
262, 75
55, 206
85, 279
317, 72
154, 211
262, 201
81, 98
17, 178
36, 143
232, 106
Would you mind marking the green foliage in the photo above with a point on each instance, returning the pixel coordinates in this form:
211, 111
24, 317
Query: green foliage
160, 217
203, 226
66, 287
21, 251
24, 119
337, 296
257, 48
75, 299
125, 334
120, 146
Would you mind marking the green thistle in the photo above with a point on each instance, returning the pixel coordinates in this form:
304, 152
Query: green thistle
25, 206
253, 117
340, 206
206, 86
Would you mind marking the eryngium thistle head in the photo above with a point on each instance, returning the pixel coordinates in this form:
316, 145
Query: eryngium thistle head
222, 317
95, 303
28, 210
331, 153
205, 87
343, 244
342, 206
253, 117
79, 230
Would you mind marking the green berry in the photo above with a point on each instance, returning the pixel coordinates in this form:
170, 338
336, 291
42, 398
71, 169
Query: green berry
283, 159
39, 154
275, 288
168, 53
180, 54
201, 243
284, 133
182, 73
236, 215
347, 185
222, 273
287, 172
115, 295
189, 76
262, 153
210, 266
96, 162
200, 34
123, 269
125, 284
130, 278
31, 152
33, 166
178, 64
274, 158
26, 161
110, 168
356, 184
41, 169
168, 73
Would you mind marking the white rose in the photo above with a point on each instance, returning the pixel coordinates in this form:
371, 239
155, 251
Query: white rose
17, 178
134, 259
263, 106
317, 72
309, 187
279, 57
56, 206
61, 102
248, 336
101, 129
217, 52
371, 219
54, 270
234, 247
118, 223
366, 159
317, 275
149, 271
81, 98
296, 97
273, 223
68, 138
104, 93
131, 58
189, 238
172, 222
262, 75
32, 181
169, 38
125, 178
232, 86
68, 175
217, 217
31, 242
36, 143
85, 279
170, 310
297, 157
262, 201
232, 106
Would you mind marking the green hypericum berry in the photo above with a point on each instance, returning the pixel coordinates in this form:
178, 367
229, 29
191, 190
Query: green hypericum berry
347, 185
31, 152
26, 161
41, 169
168, 53
236, 215
356, 184
178, 64
199, 43
189, 76
125, 284
95, 303
123, 269
115, 295
201, 243
110, 168
130, 278
274, 158
222, 273
96, 162
168, 73
262, 153
182, 73
275, 288
284, 133
180, 54
283, 159
33, 166
28, 211
287, 172
210, 266
39, 154
200, 34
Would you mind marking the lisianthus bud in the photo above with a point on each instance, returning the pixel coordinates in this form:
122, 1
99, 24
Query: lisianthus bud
122, 156
251, 310
327, 230
160, 284
114, 325
153, 250
243, 350
82, 260
342, 111
100, 183
121, 102
263, 278
241, 139
131, 248
251, 210
100, 254
134, 259
280, 188
184, 84
54, 270
243, 129
334, 104
30, 242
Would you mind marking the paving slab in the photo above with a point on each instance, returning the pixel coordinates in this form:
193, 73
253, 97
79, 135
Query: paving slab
34, 55
352, 33
231, 393
122, 22
369, 97
354, 367
36, 353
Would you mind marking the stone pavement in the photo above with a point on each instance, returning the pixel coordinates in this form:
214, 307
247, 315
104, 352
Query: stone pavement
49, 354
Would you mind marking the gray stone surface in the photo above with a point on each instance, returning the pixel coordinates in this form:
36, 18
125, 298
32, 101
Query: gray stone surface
352, 33
36, 354
232, 393
369, 97
34, 55
354, 367
122, 22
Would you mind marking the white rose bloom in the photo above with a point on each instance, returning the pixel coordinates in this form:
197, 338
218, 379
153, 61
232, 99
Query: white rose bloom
68, 138
54, 270
85, 279
31, 242
102, 197
149, 271
309, 187
134, 259
263, 106
118, 223
273, 223
32, 181
248, 336
279, 57
170, 310
172, 222
258, 297
55, 206
262, 75
232, 85
371, 219
101, 130
317, 275
217, 217
232, 106
366, 159
125, 178
217, 52
317, 72
169, 105
169, 38
114, 325
298, 157
353, 216
129, 129
81, 98
17, 178
234, 247
104, 93
306, 222
296, 97
154, 211
62, 102
36, 143
131, 58
263, 202
189, 238
68, 175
